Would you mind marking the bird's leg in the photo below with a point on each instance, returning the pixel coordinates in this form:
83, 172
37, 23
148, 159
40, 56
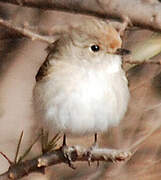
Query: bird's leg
95, 140
96, 145
67, 153
90, 149
64, 140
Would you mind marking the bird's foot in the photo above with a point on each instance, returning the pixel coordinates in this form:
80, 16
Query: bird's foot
68, 153
89, 153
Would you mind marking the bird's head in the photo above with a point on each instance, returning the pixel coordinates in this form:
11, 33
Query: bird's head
91, 42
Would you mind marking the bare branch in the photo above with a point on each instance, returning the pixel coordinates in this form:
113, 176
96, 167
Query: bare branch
141, 13
26, 32
9, 161
77, 153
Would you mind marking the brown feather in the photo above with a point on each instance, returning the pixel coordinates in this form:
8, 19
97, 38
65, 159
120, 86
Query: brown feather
43, 70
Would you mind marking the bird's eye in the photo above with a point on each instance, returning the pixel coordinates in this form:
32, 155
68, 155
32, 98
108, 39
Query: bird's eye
95, 48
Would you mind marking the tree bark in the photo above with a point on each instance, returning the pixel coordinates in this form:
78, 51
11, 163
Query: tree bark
77, 153
140, 12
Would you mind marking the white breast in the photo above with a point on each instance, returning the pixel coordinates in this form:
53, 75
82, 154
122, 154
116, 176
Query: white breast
82, 99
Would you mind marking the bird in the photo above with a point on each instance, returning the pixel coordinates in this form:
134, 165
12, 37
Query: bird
81, 87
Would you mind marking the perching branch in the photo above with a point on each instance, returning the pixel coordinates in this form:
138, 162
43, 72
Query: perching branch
77, 153
139, 12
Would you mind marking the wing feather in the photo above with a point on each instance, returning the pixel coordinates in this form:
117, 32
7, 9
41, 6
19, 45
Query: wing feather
43, 70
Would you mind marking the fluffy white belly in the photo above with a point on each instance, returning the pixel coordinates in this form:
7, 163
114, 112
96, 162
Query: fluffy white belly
88, 102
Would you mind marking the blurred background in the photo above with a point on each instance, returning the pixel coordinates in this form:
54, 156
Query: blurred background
20, 59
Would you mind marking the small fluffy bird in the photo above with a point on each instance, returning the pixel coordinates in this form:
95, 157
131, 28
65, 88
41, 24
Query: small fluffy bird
81, 87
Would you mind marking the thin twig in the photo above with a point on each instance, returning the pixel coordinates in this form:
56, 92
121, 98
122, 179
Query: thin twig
18, 147
29, 149
9, 161
26, 32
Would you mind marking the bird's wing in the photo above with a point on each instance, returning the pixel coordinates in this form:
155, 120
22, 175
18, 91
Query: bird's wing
43, 70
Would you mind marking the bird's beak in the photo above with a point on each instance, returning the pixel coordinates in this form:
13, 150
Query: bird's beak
122, 51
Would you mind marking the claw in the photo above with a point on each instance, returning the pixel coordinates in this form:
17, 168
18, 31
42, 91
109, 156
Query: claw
89, 154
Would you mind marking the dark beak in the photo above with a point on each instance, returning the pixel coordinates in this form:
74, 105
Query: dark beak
122, 52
